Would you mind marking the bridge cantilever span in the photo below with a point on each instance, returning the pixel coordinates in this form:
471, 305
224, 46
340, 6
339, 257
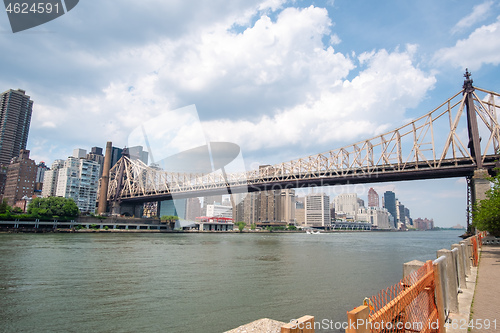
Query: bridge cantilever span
446, 142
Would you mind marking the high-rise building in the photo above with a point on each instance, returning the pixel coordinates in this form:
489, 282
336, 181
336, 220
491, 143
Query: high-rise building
176, 207
15, 117
116, 154
134, 153
400, 209
96, 156
210, 200
347, 204
317, 211
78, 179
373, 198
21, 174
390, 205
137, 153
50, 179
193, 209
268, 203
250, 210
286, 206
40, 174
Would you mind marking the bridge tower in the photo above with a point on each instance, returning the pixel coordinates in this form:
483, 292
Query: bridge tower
478, 183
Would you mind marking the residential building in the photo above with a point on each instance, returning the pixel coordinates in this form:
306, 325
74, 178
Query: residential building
21, 175
317, 210
423, 224
96, 156
15, 117
78, 179
286, 206
50, 179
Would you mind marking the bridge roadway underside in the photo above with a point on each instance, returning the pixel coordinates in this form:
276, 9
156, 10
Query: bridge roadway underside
379, 176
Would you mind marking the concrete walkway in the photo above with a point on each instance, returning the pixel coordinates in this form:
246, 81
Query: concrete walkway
486, 304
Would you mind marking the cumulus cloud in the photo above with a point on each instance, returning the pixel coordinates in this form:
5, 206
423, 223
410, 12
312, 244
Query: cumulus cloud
271, 84
356, 109
480, 48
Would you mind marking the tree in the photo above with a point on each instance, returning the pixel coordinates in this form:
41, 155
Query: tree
4, 207
241, 226
53, 206
486, 214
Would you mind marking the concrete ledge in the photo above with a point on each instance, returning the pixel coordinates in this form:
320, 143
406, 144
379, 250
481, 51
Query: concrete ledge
264, 325
465, 302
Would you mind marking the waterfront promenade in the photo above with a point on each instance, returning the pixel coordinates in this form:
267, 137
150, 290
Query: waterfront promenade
486, 305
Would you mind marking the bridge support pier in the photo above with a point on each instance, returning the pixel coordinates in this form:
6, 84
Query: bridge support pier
480, 185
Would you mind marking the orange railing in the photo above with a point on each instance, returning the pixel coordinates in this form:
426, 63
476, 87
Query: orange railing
407, 306
415, 304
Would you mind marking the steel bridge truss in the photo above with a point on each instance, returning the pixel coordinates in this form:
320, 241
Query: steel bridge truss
434, 142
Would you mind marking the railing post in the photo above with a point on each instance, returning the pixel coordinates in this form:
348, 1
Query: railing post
465, 250
357, 320
451, 280
438, 269
460, 274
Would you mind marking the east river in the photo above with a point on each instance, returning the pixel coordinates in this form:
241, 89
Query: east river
196, 282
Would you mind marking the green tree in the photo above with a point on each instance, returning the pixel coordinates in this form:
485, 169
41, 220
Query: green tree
241, 226
4, 207
53, 206
486, 214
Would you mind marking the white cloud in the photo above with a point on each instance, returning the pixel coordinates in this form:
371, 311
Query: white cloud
480, 48
355, 109
479, 13
276, 81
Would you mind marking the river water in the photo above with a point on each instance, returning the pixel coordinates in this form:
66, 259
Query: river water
206, 283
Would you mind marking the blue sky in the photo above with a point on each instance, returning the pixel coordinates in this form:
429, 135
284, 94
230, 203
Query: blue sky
283, 79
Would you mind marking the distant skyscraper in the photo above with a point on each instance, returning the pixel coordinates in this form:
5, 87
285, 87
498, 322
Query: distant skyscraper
116, 154
348, 204
21, 174
175, 207
193, 209
137, 153
390, 205
373, 198
15, 117
317, 211
40, 173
